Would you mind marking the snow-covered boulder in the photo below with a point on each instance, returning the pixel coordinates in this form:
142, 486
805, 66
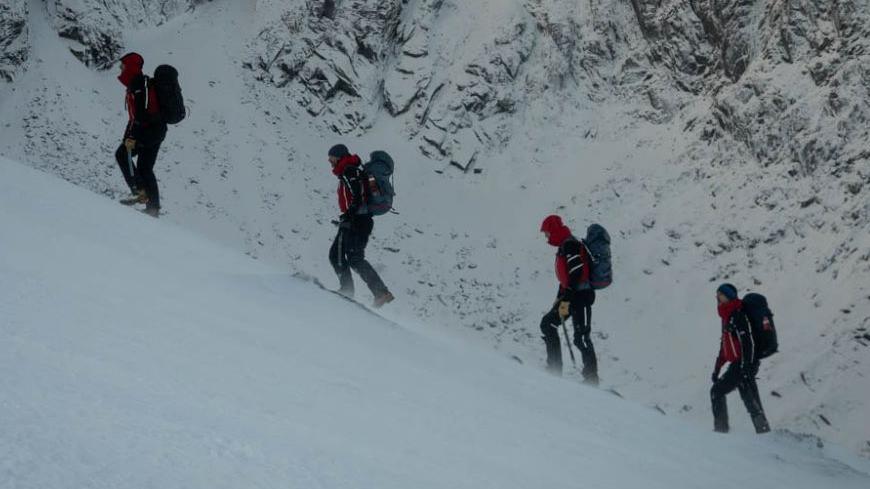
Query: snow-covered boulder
14, 43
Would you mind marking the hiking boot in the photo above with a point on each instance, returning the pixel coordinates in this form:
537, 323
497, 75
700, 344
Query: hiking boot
555, 370
760, 422
590, 379
152, 211
138, 197
382, 299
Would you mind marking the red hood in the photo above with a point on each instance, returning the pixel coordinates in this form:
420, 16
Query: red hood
728, 308
344, 162
132, 64
558, 231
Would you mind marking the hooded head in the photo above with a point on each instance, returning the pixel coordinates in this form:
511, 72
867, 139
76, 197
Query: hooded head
555, 230
340, 158
131, 66
338, 151
728, 291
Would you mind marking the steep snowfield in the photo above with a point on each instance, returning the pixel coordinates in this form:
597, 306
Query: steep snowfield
248, 169
136, 354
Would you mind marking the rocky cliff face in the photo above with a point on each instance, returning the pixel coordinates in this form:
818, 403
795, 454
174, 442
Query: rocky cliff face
343, 62
95, 27
794, 94
14, 43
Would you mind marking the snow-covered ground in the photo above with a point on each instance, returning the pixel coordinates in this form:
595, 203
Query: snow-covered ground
464, 254
136, 354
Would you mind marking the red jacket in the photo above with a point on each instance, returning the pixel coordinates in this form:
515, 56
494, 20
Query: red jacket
141, 102
736, 345
350, 184
572, 258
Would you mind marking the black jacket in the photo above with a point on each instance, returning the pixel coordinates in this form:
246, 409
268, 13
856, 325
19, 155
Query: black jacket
572, 260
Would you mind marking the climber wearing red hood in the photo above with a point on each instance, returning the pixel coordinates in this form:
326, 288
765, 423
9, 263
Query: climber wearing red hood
575, 299
355, 227
142, 136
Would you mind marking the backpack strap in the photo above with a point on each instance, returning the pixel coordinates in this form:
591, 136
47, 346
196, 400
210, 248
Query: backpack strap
588, 251
578, 272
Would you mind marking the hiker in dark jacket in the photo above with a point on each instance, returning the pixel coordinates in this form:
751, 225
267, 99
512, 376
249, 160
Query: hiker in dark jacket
737, 348
354, 228
574, 298
142, 136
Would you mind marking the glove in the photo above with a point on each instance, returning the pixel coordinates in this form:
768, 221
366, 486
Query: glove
344, 221
564, 309
129, 143
715, 376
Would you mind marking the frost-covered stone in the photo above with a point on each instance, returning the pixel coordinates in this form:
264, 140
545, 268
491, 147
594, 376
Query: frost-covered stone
14, 42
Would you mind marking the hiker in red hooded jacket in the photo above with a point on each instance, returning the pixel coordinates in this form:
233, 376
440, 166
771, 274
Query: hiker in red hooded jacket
142, 136
736, 348
355, 227
574, 298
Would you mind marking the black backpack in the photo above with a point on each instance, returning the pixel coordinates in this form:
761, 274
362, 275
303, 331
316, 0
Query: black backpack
169, 99
761, 323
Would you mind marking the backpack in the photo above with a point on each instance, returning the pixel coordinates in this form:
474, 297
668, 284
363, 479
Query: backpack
378, 184
761, 323
170, 102
597, 243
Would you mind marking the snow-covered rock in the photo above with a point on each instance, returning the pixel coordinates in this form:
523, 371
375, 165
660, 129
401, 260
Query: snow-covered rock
14, 41
328, 55
94, 27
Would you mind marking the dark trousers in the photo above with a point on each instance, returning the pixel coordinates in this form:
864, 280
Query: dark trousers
348, 252
141, 175
733, 378
581, 315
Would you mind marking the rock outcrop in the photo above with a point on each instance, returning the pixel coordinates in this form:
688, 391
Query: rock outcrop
14, 42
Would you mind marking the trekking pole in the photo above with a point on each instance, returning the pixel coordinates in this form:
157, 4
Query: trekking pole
130, 165
341, 246
568, 343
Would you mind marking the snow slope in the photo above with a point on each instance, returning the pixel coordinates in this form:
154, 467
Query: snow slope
136, 354
248, 170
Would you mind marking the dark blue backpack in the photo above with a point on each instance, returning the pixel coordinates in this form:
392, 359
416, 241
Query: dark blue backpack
597, 243
377, 175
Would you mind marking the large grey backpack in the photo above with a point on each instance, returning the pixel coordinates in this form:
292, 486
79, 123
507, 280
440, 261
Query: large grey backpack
379, 190
597, 242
